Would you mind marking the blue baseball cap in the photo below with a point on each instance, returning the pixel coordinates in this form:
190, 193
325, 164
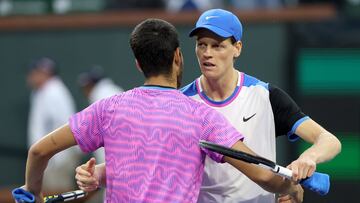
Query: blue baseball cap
221, 22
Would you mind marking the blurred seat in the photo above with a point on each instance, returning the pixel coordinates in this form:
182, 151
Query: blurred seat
134, 4
23, 7
201, 5
256, 4
74, 6
40, 7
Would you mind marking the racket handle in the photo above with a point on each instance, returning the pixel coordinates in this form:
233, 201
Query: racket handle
22, 196
318, 182
64, 197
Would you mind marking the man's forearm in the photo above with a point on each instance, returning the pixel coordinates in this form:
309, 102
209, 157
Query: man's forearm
35, 168
263, 177
280, 185
40, 153
326, 147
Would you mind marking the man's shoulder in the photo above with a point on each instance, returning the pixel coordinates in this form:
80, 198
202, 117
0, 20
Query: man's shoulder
189, 89
253, 81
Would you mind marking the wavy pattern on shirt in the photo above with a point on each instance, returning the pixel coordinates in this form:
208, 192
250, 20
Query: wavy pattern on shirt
151, 143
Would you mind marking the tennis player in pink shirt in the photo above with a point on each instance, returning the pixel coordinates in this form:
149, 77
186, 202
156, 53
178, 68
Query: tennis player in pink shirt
150, 134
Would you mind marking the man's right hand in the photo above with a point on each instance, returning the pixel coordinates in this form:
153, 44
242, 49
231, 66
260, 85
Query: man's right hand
86, 176
295, 197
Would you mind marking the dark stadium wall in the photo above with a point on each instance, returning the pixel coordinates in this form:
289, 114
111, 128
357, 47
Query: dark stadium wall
263, 55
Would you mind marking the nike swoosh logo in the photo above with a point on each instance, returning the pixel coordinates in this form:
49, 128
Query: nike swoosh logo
208, 17
248, 118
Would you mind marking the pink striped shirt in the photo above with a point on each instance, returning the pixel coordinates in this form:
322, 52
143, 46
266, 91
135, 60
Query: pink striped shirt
151, 139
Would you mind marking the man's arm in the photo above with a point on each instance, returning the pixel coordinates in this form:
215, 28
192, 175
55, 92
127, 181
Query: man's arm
263, 177
287, 114
325, 146
89, 176
40, 153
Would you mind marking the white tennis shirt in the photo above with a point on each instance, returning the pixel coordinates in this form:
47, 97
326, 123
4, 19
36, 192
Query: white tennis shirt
260, 112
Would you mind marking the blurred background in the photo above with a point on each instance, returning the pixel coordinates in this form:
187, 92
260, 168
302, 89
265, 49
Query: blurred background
310, 48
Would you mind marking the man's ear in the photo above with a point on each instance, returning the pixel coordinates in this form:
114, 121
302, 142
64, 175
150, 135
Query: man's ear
178, 56
238, 47
138, 66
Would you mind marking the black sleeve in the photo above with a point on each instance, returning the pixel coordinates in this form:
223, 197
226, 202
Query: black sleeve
286, 111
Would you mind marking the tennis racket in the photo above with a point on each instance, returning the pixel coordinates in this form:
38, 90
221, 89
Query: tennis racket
22, 196
318, 182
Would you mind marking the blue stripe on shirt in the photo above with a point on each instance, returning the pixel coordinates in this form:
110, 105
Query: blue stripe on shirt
291, 135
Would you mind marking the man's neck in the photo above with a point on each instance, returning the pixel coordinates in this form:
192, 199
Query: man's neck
221, 89
161, 81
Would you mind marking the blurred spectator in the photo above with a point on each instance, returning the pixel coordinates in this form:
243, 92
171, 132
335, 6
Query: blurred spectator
96, 86
134, 4
51, 105
256, 4
201, 5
